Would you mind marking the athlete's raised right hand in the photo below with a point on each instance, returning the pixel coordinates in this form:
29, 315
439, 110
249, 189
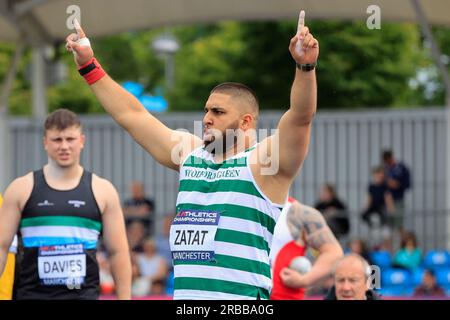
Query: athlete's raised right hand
79, 44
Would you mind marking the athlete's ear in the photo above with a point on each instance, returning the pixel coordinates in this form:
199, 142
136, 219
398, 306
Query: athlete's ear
246, 121
44, 141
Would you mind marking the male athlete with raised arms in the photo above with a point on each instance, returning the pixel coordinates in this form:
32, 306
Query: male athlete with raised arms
232, 188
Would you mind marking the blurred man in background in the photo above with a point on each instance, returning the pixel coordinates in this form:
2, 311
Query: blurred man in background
333, 210
351, 280
301, 227
429, 286
140, 207
379, 202
398, 181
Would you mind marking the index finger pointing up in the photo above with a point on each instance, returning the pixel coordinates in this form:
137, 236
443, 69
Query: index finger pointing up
80, 31
301, 20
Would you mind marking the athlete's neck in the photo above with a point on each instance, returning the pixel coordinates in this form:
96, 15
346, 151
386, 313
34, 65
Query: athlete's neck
62, 177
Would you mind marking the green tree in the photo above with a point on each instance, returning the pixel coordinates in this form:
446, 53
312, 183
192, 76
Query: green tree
20, 97
362, 67
126, 57
358, 67
206, 58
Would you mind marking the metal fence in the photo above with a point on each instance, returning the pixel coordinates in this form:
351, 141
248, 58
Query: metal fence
344, 147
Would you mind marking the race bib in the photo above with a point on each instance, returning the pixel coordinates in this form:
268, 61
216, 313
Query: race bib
62, 265
192, 235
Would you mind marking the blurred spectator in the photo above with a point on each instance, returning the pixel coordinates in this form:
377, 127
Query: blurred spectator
158, 287
351, 275
139, 207
138, 286
385, 245
398, 180
151, 264
136, 233
135, 272
152, 267
409, 256
379, 199
429, 287
106, 278
333, 210
162, 241
359, 247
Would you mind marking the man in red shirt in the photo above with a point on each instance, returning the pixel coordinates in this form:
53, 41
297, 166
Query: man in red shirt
298, 228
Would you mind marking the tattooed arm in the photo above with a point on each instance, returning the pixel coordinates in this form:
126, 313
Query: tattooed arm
318, 236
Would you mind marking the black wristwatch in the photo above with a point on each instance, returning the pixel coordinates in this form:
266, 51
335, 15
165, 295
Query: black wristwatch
306, 66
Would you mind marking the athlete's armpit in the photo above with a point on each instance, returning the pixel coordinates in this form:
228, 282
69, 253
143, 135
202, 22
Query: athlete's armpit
317, 232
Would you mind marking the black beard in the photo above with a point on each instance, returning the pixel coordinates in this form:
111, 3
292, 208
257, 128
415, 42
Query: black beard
224, 144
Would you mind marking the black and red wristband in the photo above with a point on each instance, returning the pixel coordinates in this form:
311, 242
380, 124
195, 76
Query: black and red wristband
92, 71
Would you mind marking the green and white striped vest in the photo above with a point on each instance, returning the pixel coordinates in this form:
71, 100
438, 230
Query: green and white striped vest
240, 269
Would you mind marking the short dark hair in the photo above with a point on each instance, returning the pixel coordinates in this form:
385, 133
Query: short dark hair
387, 155
430, 272
238, 90
331, 189
408, 236
62, 119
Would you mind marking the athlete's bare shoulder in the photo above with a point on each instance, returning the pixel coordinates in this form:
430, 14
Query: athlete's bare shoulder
99, 182
303, 217
24, 181
20, 189
104, 191
103, 186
